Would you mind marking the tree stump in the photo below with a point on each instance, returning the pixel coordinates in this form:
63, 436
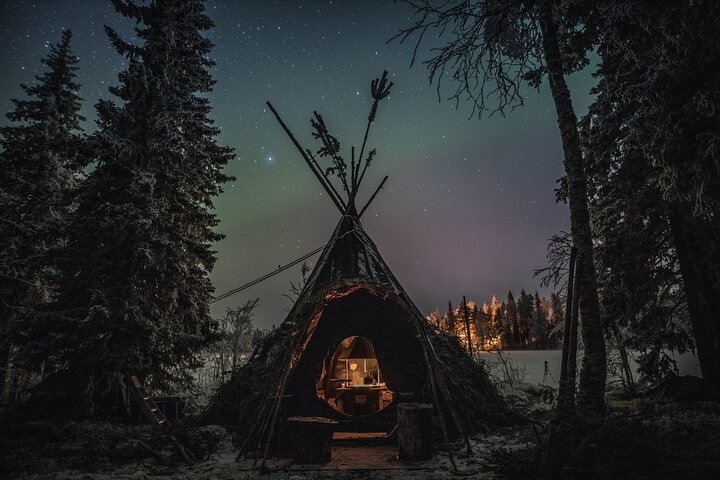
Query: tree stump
415, 431
311, 438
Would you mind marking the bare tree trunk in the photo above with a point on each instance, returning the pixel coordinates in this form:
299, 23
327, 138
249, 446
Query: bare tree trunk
572, 354
702, 294
563, 404
591, 393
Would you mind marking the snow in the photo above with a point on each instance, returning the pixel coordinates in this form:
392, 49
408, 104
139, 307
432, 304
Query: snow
531, 362
375, 462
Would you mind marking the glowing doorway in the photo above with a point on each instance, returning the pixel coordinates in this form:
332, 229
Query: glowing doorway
352, 381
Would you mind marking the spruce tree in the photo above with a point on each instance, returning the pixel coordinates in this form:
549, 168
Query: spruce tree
478, 327
450, 320
499, 326
652, 137
513, 328
539, 326
525, 314
135, 293
39, 164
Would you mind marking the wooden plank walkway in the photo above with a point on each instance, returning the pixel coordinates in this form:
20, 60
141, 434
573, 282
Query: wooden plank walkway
358, 435
371, 457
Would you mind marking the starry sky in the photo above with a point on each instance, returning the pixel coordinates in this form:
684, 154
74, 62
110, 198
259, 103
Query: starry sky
469, 204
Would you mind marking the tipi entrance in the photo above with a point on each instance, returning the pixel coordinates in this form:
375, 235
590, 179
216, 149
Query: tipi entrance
351, 380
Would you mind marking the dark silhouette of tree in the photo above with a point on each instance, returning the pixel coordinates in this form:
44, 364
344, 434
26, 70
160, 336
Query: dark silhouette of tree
39, 164
525, 317
654, 134
512, 330
501, 325
134, 295
451, 320
539, 324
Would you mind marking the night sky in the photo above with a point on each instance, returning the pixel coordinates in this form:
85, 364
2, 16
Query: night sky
469, 205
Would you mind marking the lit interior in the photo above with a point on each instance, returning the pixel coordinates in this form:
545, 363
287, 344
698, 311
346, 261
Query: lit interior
351, 380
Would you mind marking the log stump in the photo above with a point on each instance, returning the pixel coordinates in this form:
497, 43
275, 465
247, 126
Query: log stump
415, 431
311, 438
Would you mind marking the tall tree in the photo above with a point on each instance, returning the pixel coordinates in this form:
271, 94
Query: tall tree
39, 163
525, 316
451, 320
500, 331
539, 324
135, 291
512, 330
591, 392
493, 48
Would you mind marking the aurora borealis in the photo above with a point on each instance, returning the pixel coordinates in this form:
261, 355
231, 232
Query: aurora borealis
469, 204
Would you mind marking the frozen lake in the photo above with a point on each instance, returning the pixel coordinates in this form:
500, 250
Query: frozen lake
533, 361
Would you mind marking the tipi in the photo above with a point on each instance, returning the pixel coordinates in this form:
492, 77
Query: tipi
354, 345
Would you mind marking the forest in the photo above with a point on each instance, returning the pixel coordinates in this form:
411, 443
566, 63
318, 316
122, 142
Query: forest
108, 238
528, 323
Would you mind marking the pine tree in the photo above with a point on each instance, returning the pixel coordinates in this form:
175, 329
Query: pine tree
512, 330
135, 292
525, 315
39, 163
477, 326
450, 320
556, 309
539, 325
435, 319
499, 333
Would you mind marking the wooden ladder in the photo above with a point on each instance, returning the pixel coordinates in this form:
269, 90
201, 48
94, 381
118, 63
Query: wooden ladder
148, 406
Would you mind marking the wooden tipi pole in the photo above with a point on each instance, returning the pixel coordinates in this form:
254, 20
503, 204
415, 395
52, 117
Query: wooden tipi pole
318, 174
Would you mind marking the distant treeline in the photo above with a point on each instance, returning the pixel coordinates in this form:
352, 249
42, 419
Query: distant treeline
525, 323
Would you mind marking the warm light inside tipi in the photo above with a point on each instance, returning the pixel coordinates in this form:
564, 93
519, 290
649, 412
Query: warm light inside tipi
351, 380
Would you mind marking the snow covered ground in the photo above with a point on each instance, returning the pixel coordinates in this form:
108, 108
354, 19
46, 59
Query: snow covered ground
532, 363
221, 465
